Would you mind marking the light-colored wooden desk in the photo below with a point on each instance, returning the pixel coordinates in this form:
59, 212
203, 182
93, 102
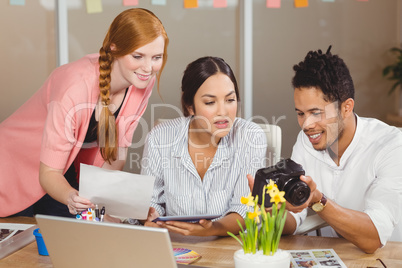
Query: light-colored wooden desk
218, 251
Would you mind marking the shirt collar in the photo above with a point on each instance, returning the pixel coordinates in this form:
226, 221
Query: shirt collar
225, 148
358, 132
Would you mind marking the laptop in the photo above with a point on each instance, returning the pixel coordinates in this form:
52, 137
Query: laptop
80, 243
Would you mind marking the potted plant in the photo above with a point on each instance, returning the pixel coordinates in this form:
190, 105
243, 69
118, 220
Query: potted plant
260, 239
394, 72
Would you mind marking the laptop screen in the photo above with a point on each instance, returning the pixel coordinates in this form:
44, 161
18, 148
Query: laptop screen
79, 243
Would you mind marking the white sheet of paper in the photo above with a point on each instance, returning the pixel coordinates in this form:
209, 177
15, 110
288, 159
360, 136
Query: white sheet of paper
123, 194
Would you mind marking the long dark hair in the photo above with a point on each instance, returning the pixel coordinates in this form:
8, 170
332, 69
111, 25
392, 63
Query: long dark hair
195, 75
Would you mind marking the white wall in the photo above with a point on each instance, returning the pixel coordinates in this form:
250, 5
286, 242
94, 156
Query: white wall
360, 32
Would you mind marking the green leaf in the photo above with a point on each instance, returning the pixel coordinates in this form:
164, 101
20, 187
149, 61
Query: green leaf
394, 70
396, 49
279, 233
235, 237
241, 226
386, 70
394, 87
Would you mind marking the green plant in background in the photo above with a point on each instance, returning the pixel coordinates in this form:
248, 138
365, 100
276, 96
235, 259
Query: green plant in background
394, 71
265, 234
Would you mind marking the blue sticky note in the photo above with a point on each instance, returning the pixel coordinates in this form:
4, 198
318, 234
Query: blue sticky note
159, 2
17, 2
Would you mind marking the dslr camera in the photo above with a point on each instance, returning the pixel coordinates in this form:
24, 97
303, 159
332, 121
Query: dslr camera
286, 175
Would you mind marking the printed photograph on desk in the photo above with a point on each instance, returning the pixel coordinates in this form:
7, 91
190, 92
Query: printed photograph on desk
315, 258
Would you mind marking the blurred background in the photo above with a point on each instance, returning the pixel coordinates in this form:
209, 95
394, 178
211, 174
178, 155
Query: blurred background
360, 32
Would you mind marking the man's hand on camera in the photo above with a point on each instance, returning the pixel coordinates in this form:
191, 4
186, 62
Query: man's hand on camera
315, 195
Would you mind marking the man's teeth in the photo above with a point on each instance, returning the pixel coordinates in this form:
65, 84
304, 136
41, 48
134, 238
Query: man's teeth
315, 136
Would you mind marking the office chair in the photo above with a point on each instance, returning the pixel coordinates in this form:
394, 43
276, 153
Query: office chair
274, 142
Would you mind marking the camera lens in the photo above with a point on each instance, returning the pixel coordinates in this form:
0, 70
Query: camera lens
297, 192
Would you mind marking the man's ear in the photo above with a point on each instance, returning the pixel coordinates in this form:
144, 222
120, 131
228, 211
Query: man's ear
348, 107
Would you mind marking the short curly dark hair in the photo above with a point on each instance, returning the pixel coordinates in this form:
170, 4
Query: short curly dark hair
327, 72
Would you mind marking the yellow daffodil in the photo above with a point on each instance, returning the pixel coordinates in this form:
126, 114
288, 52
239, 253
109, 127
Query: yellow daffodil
249, 200
264, 236
273, 192
271, 187
277, 196
255, 214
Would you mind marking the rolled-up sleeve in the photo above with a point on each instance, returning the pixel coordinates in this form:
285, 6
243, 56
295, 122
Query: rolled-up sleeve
384, 197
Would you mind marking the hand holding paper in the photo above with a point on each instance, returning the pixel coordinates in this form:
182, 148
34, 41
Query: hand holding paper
123, 194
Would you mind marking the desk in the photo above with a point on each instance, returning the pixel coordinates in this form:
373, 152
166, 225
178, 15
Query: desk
218, 251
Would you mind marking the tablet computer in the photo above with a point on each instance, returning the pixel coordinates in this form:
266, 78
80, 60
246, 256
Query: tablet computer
191, 218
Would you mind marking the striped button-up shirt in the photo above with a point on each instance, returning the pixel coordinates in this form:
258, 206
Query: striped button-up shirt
178, 188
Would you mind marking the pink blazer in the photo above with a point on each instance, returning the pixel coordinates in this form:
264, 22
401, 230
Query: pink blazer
51, 127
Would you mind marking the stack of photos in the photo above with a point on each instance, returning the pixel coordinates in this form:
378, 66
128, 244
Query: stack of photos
315, 258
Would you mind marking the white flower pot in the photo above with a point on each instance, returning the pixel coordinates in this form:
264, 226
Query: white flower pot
281, 259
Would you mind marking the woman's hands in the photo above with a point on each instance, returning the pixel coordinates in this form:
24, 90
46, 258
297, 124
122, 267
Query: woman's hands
152, 214
200, 228
77, 204
56, 185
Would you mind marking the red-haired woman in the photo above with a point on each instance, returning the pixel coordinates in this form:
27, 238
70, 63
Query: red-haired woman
86, 112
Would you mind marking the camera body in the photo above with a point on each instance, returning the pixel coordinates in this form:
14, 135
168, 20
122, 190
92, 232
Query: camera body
286, 175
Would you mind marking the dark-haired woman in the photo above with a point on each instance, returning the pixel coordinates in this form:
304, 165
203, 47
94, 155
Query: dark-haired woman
86, 112
201, 161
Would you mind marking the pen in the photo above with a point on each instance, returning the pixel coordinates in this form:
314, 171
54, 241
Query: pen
102, 213
96, 211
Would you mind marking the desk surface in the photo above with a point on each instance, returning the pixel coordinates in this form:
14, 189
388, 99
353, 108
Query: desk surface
218, 251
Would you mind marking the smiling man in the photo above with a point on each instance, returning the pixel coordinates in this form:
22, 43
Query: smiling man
352, 163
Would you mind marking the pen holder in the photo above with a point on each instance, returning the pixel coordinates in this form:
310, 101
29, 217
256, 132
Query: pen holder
41, 244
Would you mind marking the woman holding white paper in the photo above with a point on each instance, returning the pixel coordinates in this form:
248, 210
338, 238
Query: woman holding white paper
200, 161
86, 112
